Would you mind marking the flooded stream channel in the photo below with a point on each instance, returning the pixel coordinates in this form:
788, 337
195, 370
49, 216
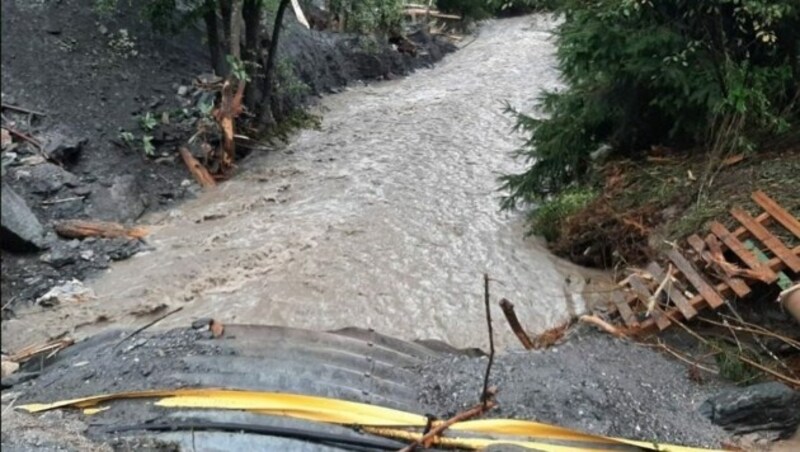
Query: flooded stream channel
385, 218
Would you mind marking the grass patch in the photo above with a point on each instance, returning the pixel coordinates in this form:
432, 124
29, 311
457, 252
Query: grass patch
548, 219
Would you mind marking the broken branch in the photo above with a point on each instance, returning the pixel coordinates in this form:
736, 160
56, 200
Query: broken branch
199, 172
32, 350
144, 327
516, 327
80, 229
486, 393
23, 110
428, 439
605, 326
24, 137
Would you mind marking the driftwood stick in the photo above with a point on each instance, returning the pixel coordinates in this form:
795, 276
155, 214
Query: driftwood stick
200, 173
485, 395
516, 327
24, 137
605, 326
144, 327
80, 229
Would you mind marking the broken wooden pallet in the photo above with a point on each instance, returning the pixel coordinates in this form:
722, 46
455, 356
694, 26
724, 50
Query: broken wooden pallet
650, 300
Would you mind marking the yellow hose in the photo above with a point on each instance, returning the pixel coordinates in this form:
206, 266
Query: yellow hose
374, 419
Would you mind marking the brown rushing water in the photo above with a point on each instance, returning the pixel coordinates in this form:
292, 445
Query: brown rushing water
385, 218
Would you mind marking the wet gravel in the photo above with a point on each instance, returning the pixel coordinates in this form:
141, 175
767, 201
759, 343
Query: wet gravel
593, 383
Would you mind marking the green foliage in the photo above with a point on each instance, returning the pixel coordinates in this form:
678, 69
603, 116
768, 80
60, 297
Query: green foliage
238, 68
548, 219
369, 16
731, 367
483, 9
148, 122
288, 80
678, 73
147, 145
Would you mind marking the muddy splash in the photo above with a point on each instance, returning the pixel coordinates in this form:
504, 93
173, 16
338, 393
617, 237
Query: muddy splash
385, 218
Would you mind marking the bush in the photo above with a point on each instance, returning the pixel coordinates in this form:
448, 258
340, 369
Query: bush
483, 9
677, 73
369, 16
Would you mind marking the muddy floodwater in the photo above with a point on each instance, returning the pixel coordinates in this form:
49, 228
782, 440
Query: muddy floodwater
385, 218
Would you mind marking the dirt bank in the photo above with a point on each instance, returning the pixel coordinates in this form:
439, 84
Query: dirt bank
95, 76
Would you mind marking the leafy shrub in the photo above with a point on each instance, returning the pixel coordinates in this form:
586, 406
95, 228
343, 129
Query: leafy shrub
482, 9
677, 73
368, 16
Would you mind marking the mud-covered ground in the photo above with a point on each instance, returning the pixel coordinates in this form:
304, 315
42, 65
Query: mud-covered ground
95, 76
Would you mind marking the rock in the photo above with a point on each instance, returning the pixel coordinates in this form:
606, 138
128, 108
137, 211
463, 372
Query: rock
69, 292
121, 201
122, 248
764, 406
59, 256
5, 140
8, 368
21, 230
47, 179
183, 90
17, 378
62, 146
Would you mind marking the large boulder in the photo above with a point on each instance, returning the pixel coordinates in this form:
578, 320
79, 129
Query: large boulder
768, 406
21, 230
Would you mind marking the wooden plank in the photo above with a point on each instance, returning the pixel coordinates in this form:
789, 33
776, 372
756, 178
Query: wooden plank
640, 288
625, 311
698, 301
763, 219
674, 294
770, 241
740, 288
738, 248
777, 212
712, 297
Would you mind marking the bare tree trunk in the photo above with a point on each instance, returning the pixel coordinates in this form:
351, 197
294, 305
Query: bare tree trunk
266, 117
236, 29
212, 35
225, 11
252, 36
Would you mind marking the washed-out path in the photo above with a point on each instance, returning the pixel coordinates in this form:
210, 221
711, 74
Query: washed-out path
386, 218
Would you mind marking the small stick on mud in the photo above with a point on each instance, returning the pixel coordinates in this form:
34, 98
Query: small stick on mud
139, 330
427, 439
23, 110
605, 326
50, 202
516, 327
485, 395
24, 137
